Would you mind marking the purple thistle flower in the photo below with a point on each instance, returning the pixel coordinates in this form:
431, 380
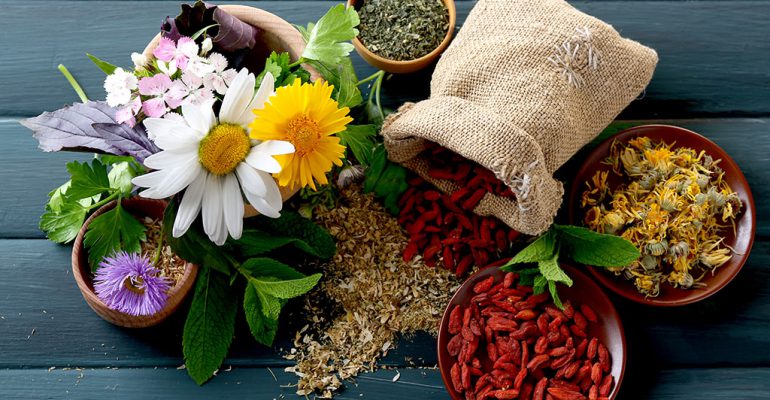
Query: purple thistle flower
130, 284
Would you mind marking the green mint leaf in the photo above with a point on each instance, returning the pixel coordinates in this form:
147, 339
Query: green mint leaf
551, 271
87, 180
539, 284
385, 179
527, 276
271, 305
106, 67
555, 295
208, 330
319, 242
63, 225
284, 289
596, 249
267, 267
120, 177
360, 140
256, 243
112, 231
262, 328
328, 39
541, 249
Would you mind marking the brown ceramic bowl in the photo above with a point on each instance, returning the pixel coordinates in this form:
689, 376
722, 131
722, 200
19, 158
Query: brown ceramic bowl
741, 240
139, 207
276, 34
408, 66
609, 329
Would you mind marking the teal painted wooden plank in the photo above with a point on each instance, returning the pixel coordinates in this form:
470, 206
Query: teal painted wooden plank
711, 52
38, 293
28, 174
169, 383
260, 383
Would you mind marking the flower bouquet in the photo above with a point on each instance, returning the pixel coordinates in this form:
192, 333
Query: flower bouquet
228, 113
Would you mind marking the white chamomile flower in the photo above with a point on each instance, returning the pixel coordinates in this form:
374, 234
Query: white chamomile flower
214, 159
118, 86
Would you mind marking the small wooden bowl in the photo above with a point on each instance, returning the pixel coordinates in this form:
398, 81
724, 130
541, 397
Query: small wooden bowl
81, 270
408, 66
745, 226
584, 290
276, 34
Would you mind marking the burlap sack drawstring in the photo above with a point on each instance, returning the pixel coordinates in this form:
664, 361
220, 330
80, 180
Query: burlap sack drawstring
524, 86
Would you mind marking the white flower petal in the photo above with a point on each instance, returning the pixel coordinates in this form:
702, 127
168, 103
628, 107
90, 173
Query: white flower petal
263, 162
162, 127
190, 205
275, 147
168, 159
237, 98
251, 181
273, 197
266, 88
150, 180
262, 206
174, 180
200, 118
212, 207
233, 206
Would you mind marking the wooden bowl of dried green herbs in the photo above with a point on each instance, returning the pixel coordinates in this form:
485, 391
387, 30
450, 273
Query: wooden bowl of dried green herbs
403, 36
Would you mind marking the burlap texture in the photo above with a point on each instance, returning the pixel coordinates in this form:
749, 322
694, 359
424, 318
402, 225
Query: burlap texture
524, 86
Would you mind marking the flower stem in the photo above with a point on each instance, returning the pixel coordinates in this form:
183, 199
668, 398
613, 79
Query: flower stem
73, 82
159, 249
108, 199
298, 62
371, 77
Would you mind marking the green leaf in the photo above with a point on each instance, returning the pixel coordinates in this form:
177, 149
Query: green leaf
551, 270
201, 31
256, 243
596, 249
262, 328
112, 231
87, 180
527, 276
305, 32
208, 330
63, 226
541, 249
106, 67
120, 177
271, 305
319, 242
56, 198
284, 289
268, 267
555, 295
343, 77
327, 39
360, 140
539, 284
385, 179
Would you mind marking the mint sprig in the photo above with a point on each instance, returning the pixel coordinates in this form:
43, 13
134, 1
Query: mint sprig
579, 244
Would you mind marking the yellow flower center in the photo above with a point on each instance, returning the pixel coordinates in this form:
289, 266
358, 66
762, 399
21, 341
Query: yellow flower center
304, 133
134, 284
224, 148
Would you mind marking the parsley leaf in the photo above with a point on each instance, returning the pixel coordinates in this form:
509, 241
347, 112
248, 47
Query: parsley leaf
63, 225
360, 140
87, 180
114, 230
328, 39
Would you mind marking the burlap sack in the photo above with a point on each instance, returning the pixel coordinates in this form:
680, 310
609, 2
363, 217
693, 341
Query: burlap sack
524, 85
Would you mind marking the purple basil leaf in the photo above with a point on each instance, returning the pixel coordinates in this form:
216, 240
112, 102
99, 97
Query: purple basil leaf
71, 127
130, 141
230, 34
233, 34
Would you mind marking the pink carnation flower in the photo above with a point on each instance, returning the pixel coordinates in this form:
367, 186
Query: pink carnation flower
181, 51
157, 87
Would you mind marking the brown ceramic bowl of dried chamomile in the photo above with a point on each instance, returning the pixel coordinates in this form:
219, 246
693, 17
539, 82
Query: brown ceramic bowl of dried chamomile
573, 351
378, 32
682, 201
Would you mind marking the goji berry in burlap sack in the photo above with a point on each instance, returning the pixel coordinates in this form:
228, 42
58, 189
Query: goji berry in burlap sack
524, 86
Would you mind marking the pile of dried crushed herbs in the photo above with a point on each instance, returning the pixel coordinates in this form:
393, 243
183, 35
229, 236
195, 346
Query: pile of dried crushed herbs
169, 264
403, 30
674, 206
377, 295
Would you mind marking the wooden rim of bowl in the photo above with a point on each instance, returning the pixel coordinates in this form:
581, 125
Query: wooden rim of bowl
82, 273
745, 224
406, 66
280, 30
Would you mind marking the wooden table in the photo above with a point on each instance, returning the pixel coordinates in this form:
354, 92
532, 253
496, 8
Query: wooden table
713, 77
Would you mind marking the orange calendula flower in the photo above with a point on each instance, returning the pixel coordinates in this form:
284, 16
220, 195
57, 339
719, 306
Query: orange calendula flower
305, 115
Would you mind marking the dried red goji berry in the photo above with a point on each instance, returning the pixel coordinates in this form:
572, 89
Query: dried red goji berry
596, 373
588, 312
604, 358
593, 347
537, 361
455, 320
484, 285
565, 394
454, 345
454, 373
606, 386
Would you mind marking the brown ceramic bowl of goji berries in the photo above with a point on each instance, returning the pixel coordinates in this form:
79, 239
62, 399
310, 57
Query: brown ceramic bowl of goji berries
499, 341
